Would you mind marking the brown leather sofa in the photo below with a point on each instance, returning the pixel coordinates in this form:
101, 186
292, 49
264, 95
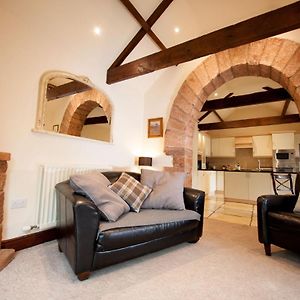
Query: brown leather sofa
276, 221
87, 248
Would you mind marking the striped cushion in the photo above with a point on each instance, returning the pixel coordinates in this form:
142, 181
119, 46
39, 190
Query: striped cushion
131, 191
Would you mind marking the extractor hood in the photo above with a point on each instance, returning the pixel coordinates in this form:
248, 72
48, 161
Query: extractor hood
242, 142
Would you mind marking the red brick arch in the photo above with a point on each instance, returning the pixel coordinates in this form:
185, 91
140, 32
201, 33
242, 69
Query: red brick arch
278, 59
79, 108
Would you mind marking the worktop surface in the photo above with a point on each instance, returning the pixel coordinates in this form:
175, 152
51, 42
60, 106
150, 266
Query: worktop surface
262, 170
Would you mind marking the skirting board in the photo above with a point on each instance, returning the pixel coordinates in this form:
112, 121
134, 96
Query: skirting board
30, 240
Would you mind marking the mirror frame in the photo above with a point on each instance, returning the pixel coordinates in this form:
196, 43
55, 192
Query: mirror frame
42, 100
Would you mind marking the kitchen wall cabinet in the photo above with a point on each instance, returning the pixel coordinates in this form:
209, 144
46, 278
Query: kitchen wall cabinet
247, 186
262, 146
297, 143
204, 145
283, 140
223, 147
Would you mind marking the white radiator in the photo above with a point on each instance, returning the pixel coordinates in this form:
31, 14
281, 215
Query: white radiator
49, 176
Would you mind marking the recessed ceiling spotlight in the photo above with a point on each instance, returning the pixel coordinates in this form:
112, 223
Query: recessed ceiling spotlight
176, 29
97, 30
216, 94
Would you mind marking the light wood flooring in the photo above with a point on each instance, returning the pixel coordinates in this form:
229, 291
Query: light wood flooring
232, 212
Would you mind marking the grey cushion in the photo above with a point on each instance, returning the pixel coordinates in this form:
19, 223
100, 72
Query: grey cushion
150, 217
95, 187
167, 189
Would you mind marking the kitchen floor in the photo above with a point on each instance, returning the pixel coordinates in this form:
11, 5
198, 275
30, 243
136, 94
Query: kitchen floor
232, 212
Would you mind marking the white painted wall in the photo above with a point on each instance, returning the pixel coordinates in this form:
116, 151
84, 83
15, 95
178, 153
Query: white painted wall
41, 35
37, 36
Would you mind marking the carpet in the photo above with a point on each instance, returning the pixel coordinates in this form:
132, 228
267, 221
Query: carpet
227, 263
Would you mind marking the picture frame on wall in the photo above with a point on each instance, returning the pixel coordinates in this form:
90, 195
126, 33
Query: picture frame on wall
155, 127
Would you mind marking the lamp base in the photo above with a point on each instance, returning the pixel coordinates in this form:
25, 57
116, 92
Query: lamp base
6, 256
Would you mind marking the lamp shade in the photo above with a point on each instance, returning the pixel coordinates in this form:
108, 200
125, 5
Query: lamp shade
145, 161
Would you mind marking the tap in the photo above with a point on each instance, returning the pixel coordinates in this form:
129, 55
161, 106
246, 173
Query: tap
259, 167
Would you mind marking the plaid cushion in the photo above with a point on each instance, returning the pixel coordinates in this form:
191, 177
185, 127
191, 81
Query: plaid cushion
131, 191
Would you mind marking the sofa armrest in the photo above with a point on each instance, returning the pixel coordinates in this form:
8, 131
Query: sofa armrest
78, 224
194, 200
272, 203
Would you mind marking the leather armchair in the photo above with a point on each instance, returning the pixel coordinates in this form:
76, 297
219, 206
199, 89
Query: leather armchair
277, 223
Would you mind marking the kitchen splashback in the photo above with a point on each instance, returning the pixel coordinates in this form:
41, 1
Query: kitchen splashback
242, 156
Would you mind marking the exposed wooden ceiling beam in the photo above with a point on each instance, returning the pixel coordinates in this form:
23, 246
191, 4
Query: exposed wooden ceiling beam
204, 116
251, 122
218, 116
248, 99
285, 107
95, 120
67, 89
143, 23
141, 33
278, 21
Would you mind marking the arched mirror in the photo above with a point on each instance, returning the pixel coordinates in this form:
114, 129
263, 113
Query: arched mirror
71, 105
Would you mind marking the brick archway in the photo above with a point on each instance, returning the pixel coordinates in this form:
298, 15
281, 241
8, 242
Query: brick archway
278, 59
79, 108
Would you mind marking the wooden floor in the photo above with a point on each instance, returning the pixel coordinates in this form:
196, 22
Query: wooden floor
232, 212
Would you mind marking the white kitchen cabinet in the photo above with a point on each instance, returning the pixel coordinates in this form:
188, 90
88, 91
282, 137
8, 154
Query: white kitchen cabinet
207, 146
247, 186
283, 140
236, 185
220, 181
223, 147
297, 143
204, 147
259, 184
206, 182
262, 146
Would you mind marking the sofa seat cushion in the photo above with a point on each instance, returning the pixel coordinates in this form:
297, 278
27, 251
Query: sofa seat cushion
149, 224
285, 221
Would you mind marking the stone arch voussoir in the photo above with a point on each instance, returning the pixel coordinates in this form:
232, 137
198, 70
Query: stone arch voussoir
79, 108
274, 58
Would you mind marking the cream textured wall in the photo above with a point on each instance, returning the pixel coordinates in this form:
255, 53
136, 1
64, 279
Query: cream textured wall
37, 36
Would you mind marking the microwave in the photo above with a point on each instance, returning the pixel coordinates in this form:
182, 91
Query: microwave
284, 158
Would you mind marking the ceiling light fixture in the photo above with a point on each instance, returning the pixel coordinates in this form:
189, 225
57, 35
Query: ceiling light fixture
216, 94
97, 30
176, 29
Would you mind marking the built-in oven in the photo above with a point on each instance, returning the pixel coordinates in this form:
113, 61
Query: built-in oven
284, 159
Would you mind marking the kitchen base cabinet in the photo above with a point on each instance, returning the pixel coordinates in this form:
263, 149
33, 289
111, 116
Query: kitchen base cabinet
260, 184
236, 185
206, 182
247, 186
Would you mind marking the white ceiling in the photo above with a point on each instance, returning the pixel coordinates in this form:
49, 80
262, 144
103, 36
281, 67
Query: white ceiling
196, 18
247, 85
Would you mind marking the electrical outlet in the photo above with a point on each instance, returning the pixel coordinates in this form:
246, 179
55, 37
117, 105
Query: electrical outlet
19, 203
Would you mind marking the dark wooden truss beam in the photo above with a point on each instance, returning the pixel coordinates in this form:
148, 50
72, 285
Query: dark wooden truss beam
251, 122
285, 107
141, 33
218, 116
204, 116
143, 23
67, 89
273, 95
278, 21
96, 120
